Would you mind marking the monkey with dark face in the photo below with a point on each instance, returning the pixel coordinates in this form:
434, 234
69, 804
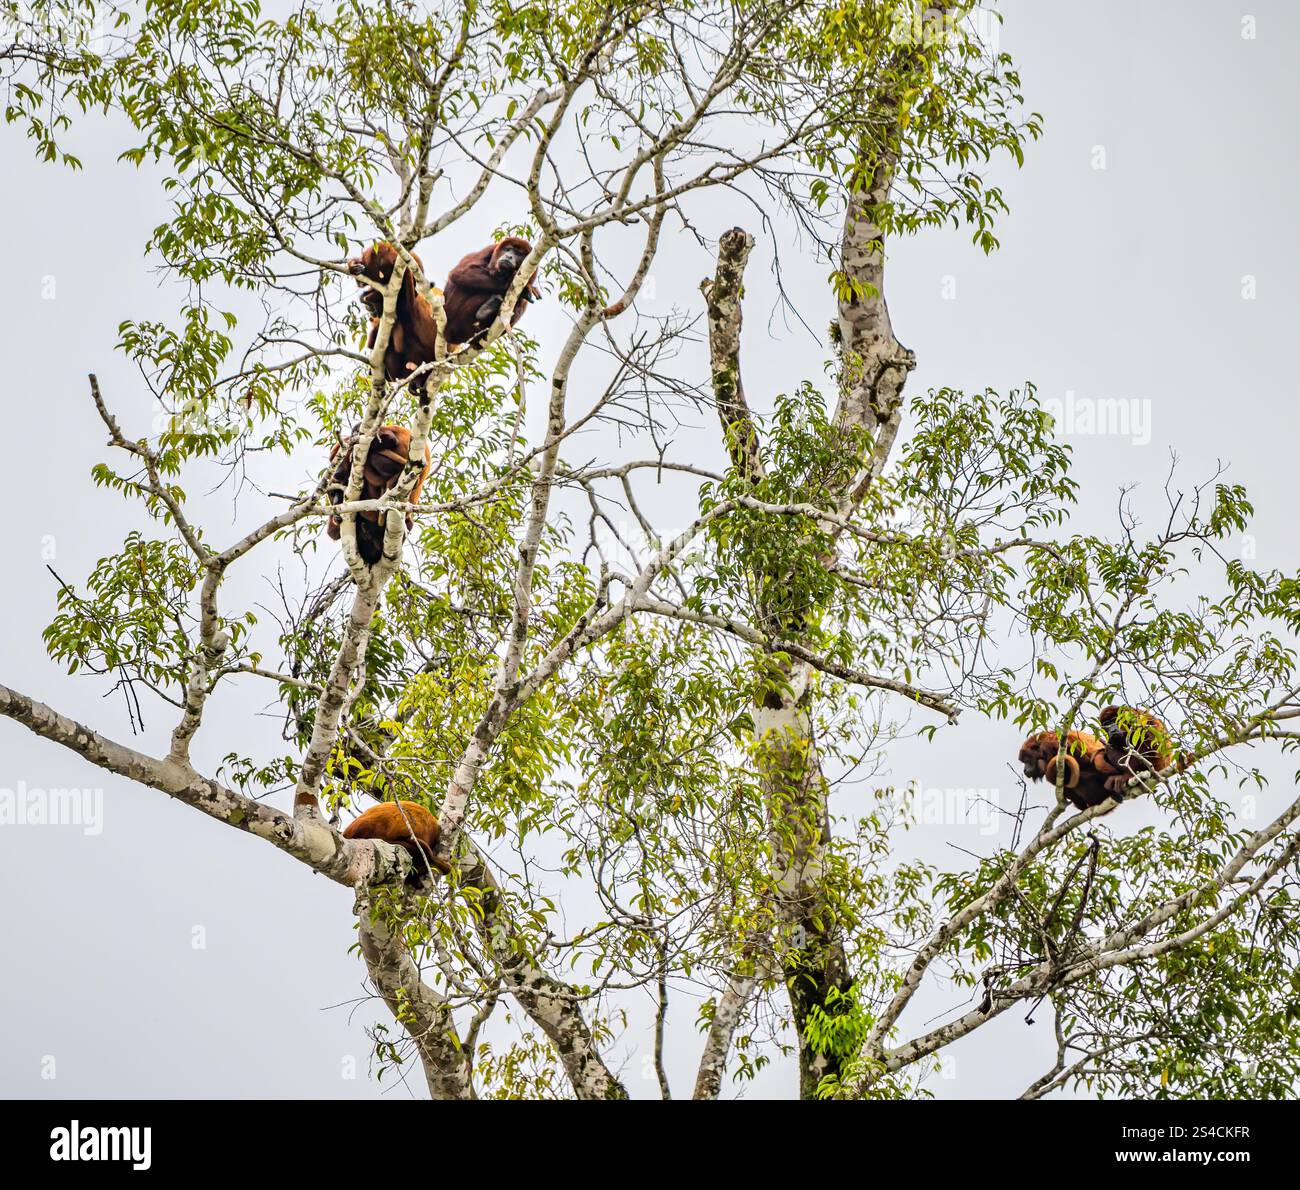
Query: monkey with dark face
385, 461
475, 287
414, 338
1084, 785
1136, 742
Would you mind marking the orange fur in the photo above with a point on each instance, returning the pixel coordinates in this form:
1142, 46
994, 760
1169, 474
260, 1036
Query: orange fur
1137, 742
407, 824
1095, 769
472, 295
1084, 784
414, 336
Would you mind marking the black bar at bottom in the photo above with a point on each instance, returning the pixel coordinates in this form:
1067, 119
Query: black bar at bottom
219, 1137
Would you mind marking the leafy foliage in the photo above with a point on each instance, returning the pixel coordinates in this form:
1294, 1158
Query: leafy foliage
685, 707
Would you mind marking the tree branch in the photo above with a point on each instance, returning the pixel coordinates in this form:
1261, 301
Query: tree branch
425, 1014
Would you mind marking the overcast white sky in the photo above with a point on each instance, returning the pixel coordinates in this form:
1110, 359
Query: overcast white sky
1124, 282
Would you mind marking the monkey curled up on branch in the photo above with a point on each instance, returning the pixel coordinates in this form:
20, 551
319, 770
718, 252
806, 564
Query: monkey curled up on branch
1136, 742
407, 824
471, 300
386, 459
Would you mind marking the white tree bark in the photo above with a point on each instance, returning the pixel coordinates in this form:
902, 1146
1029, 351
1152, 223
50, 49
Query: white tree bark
424, 1013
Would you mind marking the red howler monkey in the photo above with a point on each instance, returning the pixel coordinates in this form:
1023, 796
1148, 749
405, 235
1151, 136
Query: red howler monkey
1095, 770
1136, 742
386, 459
1084, 784
409, 825
475, 287
414, 337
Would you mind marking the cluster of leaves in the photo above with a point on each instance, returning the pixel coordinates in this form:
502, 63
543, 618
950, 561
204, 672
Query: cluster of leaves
135, 619
947, 104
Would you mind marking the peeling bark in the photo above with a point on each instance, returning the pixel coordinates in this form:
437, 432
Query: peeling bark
726, 1017
423, 1012
811, 955
723, 293
551, 1004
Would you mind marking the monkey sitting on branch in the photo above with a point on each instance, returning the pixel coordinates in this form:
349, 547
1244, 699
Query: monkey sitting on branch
1095, 769
414, 338
471, 300
390, 450
476, 286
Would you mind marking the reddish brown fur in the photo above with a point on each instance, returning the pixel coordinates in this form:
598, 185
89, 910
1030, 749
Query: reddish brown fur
1137, 742
476, 280
1094, 769
408, 824
385, 461
414, 337
1084, 784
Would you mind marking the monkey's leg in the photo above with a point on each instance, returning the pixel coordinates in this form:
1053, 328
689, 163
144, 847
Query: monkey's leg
1108, 762
1116, 785
488, 310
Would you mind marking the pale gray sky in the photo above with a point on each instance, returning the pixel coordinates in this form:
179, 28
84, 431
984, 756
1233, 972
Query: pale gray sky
1122, 282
